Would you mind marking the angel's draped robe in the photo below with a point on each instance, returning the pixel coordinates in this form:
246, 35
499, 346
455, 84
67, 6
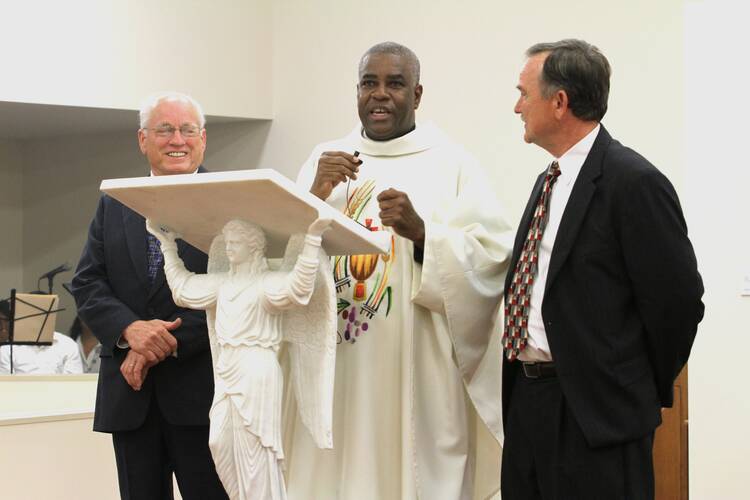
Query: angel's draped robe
245, 428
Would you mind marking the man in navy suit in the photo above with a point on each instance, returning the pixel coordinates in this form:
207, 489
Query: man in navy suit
156, 379
602, 301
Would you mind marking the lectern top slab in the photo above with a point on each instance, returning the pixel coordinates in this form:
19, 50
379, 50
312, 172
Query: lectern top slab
198, 205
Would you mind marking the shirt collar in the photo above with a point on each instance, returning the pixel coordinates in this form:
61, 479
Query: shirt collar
151, 172
423, 137
572, 160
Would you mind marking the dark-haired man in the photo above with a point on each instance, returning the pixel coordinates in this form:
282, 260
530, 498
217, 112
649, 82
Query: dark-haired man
417, 392
602, 301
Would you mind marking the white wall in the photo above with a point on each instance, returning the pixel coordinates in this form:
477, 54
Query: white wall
471, 53
677, 86
470, 58
111, 54
715, 197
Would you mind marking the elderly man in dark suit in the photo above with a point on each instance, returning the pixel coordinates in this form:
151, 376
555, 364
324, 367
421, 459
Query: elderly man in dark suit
604, 299
156, 380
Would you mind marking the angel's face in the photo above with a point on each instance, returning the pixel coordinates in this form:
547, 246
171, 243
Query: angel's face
237, 248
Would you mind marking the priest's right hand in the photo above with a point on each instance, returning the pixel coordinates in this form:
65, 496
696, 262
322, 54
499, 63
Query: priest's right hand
334, 167
152, 339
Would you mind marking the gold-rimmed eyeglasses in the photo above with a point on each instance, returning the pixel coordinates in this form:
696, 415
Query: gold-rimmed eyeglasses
188, 131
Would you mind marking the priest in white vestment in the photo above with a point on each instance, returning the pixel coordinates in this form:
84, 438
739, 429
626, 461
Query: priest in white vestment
417, 412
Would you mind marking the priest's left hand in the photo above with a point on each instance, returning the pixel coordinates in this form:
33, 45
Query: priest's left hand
396, 211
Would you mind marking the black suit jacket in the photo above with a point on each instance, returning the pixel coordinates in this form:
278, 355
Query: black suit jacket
112, 289
623, 295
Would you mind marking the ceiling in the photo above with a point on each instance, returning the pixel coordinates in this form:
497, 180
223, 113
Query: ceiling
20, 120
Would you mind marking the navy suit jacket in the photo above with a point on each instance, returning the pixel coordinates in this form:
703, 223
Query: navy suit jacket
622, 300
112, 289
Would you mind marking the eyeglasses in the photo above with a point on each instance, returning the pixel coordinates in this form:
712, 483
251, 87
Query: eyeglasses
187, 131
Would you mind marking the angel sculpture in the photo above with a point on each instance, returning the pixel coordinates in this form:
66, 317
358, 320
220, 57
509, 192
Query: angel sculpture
250, 309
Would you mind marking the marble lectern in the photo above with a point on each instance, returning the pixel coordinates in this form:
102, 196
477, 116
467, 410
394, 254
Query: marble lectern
239, 217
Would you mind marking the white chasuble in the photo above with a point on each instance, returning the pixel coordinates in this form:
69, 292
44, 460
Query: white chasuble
417, 411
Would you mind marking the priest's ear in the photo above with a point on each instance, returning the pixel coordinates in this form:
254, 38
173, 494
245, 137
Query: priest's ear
417, 95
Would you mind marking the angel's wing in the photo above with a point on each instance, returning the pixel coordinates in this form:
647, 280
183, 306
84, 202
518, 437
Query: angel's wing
311, 333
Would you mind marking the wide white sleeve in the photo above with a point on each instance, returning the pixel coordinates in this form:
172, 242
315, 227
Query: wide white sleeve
191, 290
306, 174
466, 254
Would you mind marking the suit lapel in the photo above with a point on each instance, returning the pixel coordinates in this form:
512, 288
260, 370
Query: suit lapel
578, 204
523, 227
135, 234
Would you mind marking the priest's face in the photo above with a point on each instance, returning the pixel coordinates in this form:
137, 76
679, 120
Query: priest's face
387, 96
173, 141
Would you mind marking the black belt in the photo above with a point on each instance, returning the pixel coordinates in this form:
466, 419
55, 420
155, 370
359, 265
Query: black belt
538, 370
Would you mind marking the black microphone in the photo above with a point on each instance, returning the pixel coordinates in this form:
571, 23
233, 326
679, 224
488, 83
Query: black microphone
59, 269
51, 274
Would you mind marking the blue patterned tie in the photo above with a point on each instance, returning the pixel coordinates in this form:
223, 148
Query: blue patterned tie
155, 257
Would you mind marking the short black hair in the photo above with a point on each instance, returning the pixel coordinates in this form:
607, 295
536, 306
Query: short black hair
395, 49
581, 70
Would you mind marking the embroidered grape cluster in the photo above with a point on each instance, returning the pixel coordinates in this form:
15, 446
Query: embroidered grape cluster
353, 325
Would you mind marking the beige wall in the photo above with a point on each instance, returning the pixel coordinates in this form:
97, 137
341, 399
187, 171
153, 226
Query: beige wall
717, 176
11, 216
693, 129
111, 54
60, 460
471, 53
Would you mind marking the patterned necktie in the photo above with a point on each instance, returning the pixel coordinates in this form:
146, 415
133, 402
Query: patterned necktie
154, 256
517, 302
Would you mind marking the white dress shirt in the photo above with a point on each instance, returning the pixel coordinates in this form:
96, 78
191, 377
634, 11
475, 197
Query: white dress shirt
92, 362
537, 348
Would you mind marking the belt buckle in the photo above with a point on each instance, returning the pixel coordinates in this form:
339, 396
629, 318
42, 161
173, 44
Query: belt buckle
531, 369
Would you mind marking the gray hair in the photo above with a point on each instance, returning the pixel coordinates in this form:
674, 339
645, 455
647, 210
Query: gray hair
154, 99
395, 49
581, 70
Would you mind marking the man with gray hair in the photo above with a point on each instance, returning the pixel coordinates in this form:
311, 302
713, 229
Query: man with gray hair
602, 301
156, 379
417, 400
